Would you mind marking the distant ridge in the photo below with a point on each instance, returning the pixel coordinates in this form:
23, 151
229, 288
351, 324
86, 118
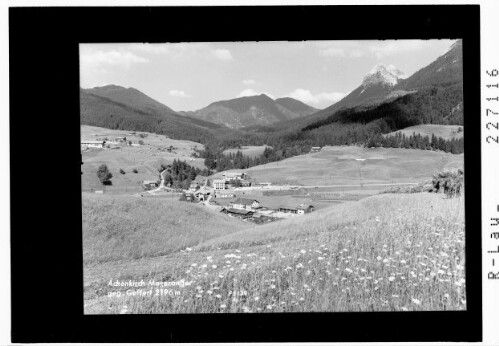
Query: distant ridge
116, 107
253, 110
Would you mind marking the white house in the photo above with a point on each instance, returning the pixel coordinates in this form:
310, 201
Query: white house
219, 184
225, 195
245, 203
234, 176
93, 144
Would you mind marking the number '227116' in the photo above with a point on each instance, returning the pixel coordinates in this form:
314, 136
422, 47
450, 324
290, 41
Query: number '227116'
490, 139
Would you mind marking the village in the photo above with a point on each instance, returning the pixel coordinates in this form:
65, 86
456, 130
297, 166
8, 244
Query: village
227, 195
235, 194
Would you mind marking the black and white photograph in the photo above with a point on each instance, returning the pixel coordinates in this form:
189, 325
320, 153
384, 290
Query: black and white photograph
186, 172
273, 176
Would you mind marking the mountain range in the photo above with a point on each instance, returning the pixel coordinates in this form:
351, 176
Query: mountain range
387, 84
431, 95
253, 110
116, 107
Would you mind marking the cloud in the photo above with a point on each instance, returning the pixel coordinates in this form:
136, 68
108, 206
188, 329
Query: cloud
334, 52
249, 81
178, 93
222, 54
110, 58
358, 49
356, 53
382, 49
152, 48
251, 92
306, 96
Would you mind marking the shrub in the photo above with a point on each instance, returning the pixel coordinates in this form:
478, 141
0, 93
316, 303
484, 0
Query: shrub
449, 181
104, 175
122, 171
141, 142
135, 170
421, 187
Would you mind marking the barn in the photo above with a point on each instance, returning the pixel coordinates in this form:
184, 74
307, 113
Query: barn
150, 184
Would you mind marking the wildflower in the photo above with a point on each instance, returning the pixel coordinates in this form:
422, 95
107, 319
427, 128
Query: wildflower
194, 264
391, 278
269, 307
272, 286
302, 299
209, 292
404, 308
188, 249
257, 299
379, 258
214, 266
198, 296
223, 306
403, 262
320, 258
299, 265
303, 251
416, 301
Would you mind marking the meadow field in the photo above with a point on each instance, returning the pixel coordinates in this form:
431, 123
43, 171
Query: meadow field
383, 253
146, 159
445, 131
340, 166
250, 150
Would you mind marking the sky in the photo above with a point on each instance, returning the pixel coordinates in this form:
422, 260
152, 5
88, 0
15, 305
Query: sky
190, 76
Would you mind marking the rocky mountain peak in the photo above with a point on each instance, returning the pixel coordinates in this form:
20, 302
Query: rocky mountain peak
382, 74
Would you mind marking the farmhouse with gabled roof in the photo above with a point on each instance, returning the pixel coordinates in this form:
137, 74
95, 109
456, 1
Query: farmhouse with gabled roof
245, 203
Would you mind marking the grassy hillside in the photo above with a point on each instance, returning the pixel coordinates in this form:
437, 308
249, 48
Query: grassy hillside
146, 159
124, 227
339, 165
445, 131
119, 112
384, 253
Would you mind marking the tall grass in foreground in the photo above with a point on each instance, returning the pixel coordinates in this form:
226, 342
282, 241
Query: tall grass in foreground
124, 227
388, 252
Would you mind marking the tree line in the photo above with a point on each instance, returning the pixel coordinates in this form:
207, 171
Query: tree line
417, 141
180, 174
